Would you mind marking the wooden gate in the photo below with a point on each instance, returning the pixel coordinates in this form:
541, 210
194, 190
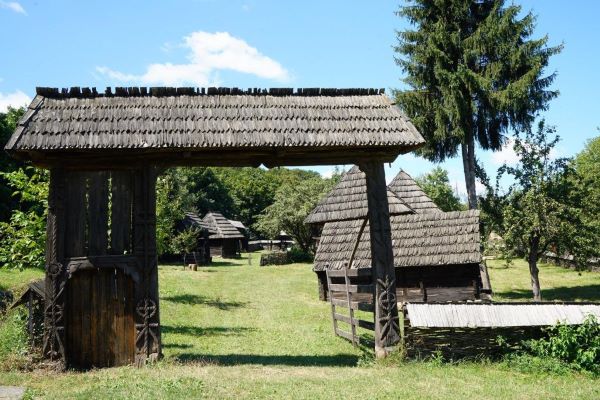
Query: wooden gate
351, 290
100, 319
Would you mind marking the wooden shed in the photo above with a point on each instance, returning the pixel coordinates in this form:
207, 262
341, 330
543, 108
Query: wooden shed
437, 255
105, 151
201, 254
226, 239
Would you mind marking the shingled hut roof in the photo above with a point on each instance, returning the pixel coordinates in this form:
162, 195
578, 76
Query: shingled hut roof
405, 187
193, 220
429, 239
348, 200
222, 227
272, 126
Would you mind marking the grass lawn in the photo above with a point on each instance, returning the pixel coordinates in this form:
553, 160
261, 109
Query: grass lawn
235, 330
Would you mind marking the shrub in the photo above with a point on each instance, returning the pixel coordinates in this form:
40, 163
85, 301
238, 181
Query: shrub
14, 348
575, 345
297, 255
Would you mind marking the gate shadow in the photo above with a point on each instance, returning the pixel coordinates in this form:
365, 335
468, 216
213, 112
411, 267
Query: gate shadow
195, 299
339, 360
206, 331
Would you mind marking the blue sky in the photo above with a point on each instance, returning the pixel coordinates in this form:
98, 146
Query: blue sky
256, 43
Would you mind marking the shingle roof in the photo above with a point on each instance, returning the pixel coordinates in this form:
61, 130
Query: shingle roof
185, 118
224, 229
428, 239
193, 220
348, 200
407, 189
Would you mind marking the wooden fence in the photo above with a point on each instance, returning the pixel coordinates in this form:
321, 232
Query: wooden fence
351, 290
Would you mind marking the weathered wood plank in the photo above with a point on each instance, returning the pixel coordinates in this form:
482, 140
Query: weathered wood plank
352, 272
98, 213
339, 287
75, 242
344, 334
356, 305
121, 207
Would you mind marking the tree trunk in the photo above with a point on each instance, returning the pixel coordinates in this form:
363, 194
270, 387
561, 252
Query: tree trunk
533, 269
468, 156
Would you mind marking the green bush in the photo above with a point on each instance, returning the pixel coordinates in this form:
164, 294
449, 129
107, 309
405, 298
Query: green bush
575, 345
14, 348
297, 255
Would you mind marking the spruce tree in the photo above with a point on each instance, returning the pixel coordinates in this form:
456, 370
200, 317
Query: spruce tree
473, 72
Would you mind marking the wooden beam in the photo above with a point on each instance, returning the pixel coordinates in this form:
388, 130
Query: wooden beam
387, 330
98, 213
147, 320
121, 198
54, 321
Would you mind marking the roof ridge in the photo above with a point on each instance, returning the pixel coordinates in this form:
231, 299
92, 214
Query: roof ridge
87, 92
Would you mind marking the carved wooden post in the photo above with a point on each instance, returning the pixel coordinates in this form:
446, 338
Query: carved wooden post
54, 322
386, 308
147, 321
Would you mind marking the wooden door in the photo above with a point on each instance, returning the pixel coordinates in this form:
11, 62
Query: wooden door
100, 329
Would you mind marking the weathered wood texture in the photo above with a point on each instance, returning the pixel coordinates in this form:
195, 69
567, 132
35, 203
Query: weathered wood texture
121, 200
98, 213
387, 330
101, 330
54, 328
147, 321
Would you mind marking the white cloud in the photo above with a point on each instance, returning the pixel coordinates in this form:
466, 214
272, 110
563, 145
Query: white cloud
13, 6
209, 53
15, 99
507, 155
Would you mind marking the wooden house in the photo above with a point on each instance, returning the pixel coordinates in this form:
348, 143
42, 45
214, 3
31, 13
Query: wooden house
244, 231
436, 254
226, 239
105, 150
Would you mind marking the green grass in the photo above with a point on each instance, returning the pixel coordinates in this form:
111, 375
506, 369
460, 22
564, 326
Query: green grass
512, 283
238, 331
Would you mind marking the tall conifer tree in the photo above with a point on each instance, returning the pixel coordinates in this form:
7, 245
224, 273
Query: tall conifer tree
473, 73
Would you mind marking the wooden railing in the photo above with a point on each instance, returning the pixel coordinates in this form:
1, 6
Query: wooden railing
351, 294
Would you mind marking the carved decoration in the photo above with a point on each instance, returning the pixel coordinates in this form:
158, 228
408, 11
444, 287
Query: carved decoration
146, 332
128, 264
386, 299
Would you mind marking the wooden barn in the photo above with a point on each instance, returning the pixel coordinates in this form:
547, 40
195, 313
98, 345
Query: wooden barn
105, 152
437, 255
225, 239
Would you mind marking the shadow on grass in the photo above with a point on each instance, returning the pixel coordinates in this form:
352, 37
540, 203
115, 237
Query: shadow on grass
573, 293
224, 263
176, 345
195, 299
340, 360
206, 331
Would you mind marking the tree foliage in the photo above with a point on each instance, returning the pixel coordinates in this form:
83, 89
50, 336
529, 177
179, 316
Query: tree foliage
23, 237
294, 200
473, 72
8, 123
436, 185
538, 215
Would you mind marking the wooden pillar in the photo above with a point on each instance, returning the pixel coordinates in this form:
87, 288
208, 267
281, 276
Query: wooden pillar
387, 328
147, 321
98, 214
54, 322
